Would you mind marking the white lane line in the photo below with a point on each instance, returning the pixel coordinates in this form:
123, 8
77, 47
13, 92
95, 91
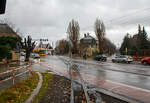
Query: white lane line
120, 84
141, 89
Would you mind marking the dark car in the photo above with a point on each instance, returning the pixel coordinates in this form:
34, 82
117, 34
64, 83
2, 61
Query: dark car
145, 61
100, 58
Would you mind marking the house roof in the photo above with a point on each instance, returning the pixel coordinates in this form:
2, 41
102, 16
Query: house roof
42, 45
5, 30
87, 37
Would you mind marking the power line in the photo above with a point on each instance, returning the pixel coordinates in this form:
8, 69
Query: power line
119, 19
135, 20
128, 15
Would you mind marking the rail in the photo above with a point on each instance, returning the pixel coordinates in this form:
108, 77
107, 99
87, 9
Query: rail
13, 71
74, 69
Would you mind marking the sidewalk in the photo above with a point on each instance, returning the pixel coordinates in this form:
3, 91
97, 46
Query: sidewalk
125, 92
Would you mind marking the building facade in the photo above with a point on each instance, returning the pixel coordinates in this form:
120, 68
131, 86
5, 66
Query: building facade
6, 31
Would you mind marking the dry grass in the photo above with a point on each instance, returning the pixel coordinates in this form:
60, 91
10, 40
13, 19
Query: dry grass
20, 92
46, 80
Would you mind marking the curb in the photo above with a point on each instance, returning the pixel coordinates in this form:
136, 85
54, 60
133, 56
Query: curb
36, 90
116, 96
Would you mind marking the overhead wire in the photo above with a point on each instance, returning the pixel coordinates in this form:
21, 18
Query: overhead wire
127, 15
127, 18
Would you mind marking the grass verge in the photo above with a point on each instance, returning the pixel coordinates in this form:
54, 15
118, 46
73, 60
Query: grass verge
46, 79
19, 92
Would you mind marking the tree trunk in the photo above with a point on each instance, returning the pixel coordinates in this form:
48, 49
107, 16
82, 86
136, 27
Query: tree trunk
27, 56
100, 47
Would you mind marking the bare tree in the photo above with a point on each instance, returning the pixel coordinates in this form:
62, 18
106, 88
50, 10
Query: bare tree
100, 33
28, 45
109, 47
63, 46
74, 34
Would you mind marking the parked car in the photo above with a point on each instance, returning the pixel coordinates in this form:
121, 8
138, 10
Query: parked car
33, 55
122, 59
145, 61
100, 58
22, 53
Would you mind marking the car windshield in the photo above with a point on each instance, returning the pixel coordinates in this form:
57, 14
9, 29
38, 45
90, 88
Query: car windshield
130, 57
122, 56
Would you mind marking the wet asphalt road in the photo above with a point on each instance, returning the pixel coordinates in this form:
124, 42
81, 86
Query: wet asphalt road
136, 75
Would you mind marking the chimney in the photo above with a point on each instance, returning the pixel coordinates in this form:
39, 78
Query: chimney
88, 34
84, 35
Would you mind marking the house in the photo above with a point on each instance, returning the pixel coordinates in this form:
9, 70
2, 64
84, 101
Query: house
46, 46
6, 31
88, 40
88, 44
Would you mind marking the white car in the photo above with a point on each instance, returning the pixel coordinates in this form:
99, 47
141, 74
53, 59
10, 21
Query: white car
22, 53
123, 59
33, 55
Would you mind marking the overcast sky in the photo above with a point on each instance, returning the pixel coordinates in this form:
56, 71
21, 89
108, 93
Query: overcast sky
50, 18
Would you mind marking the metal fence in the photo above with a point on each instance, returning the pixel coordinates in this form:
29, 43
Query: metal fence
74, 71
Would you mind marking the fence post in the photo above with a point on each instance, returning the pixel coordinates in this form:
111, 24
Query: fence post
13, 75
29, 69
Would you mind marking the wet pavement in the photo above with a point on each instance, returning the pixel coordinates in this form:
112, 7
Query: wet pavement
120, 77
129, 74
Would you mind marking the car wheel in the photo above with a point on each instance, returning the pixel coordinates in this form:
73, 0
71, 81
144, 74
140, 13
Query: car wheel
124, 61
145, 62
113, 61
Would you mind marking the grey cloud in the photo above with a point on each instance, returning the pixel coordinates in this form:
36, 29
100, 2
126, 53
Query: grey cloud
50, 18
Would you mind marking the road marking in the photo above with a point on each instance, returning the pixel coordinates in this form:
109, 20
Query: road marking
129, 86
137, 88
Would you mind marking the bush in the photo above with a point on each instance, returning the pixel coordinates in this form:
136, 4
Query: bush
21, 91
10, 41
4, 51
